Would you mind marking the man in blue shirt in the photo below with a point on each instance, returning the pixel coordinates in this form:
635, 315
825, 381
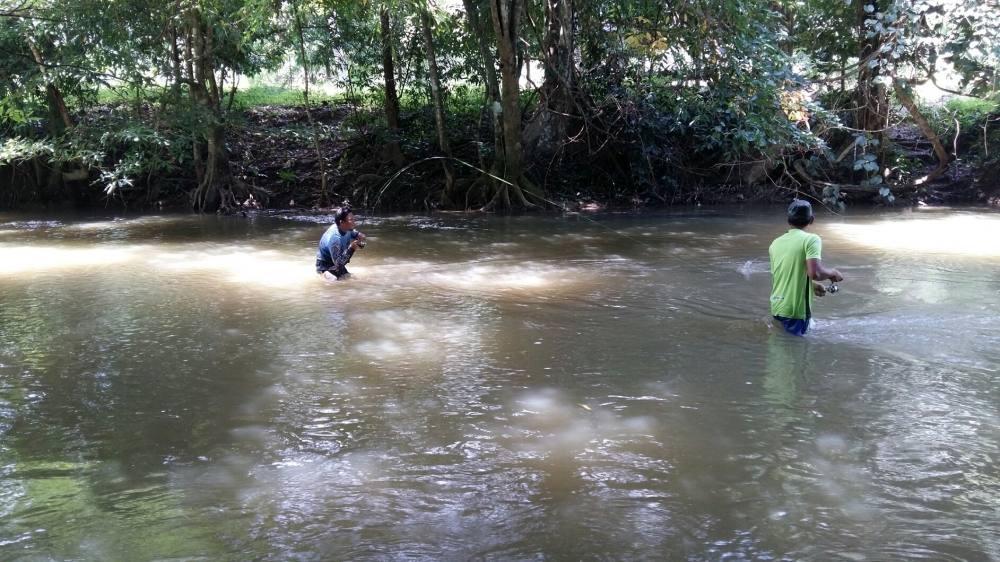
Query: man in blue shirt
337, 245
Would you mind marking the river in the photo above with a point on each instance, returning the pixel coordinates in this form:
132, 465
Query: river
514, 388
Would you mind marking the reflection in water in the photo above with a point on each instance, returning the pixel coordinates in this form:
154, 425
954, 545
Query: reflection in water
787, 364
488, 387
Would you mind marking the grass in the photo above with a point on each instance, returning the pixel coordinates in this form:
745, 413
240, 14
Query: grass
274, 95
249, 97
969, 113
971, 105
461, 98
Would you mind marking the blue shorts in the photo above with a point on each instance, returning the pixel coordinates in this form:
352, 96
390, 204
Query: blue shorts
794, 326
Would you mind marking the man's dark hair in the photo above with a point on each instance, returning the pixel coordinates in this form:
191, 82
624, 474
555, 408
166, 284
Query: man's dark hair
342, 213
800, 213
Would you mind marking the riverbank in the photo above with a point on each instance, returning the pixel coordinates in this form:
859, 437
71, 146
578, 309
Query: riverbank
285, 157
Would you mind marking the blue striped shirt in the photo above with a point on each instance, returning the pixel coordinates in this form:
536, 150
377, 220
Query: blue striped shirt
334, 249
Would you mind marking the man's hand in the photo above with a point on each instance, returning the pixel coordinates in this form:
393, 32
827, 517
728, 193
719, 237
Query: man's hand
358, 242
835, 276
819, 290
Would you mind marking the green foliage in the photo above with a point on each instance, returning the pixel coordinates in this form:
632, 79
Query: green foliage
664, 94
140, 150
17, 149
125, 152
286, 176
915, 35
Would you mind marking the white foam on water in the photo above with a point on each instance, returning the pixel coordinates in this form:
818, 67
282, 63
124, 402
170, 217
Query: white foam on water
831, 445
547, 422
119, 224
522, 278
751, 267
411, 335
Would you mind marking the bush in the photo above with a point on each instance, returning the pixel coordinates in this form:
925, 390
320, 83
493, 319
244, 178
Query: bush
966, 117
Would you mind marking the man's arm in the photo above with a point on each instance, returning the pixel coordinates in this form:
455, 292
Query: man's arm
342, 256
818, 272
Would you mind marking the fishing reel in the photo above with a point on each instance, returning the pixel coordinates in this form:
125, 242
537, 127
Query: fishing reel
832, 288
361, 243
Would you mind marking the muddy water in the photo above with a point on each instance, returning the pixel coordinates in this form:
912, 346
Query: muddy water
496, 388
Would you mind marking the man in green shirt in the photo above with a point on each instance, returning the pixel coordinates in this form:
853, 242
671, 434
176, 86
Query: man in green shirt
796, 270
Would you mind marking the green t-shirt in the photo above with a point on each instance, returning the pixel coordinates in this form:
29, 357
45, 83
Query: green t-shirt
791, 291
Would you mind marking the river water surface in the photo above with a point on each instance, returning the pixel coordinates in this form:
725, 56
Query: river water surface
561, 387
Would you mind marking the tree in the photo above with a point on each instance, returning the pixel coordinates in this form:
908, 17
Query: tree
549, 129
50, 54
871, 95
437, 99
919, 33
505, 14
486, 66
391, 97
304, 61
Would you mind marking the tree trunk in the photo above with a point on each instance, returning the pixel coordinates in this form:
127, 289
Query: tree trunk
488, 70
843, 74
389, 72
216, 181
437, 98
175, 65
56, 102
59, 121
871, 98
925, 127
504, 15
394, 153
549, 129
323, 195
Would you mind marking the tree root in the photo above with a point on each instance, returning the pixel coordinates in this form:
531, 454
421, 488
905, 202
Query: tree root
800, 169
925, 128
502, 196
